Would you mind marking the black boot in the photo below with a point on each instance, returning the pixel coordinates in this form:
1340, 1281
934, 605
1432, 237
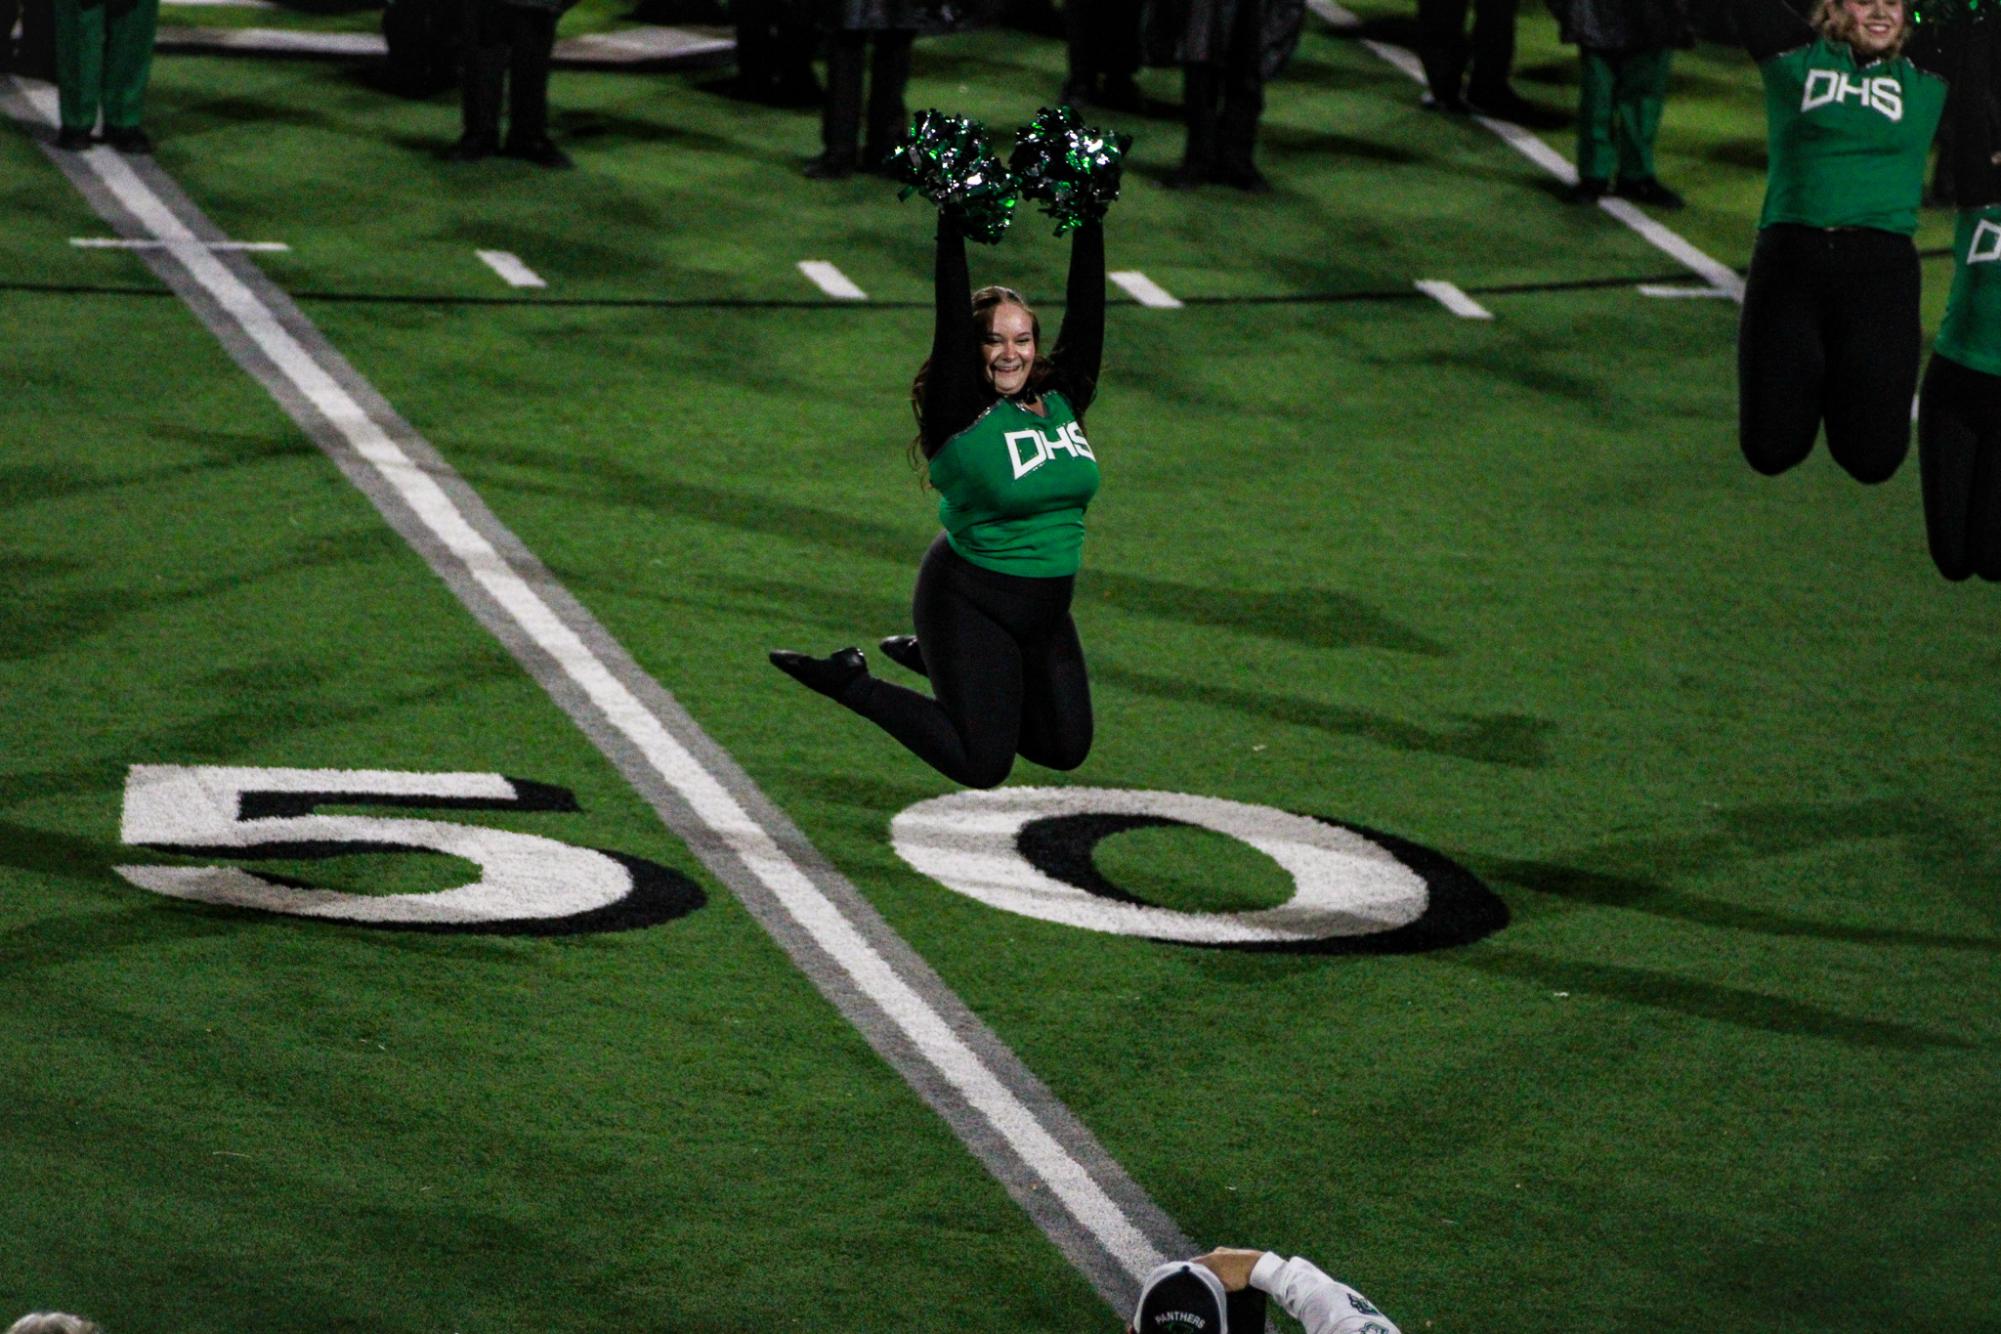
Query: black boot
903, 650
833, 676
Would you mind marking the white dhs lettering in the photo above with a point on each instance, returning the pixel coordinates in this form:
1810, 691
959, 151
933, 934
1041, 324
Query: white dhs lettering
1029, 450
1986, 247
1826, 86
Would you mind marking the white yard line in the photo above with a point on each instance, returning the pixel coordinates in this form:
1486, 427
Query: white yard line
1453, 299
1672, 293
1334, 15
753, 846
1714, 272
831, 280
123, 243
1145, 290
510, 268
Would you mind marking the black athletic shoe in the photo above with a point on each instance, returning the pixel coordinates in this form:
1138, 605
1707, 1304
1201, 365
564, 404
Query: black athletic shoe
73, 139
472, 148
128, 139
1243, 176
830, 167
1650, 191
541, 152
1454, 105
903, 650
831, 675
1588, 190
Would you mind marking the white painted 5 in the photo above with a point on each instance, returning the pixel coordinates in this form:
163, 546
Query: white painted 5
1343, 883
522, 876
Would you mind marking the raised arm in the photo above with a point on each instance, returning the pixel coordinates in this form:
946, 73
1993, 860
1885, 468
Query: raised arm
954, 394
1769, 27
1080, 346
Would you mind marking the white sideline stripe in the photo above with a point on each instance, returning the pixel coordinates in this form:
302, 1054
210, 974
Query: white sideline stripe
1145, 290
1328, 12
1671, 292
927, 1031
510, 268
274, 39
1712, 271
124, 243
1453, 299
831, 280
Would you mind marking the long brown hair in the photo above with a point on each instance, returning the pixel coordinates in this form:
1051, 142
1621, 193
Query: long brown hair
1831, 21
986, 303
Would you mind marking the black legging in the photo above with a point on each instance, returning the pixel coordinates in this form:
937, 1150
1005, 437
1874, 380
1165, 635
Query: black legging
1830, 332
1959, 461
1006, 669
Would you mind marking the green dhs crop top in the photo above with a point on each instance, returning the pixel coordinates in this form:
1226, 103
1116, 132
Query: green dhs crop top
1013, 487
1971, 334
1848, 143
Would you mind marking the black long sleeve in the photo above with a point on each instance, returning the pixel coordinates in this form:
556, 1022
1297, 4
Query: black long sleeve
1771, 26
1080, 345
955, 393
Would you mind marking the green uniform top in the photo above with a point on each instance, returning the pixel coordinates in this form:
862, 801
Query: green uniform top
1848, 142
1013, 487
1971, 334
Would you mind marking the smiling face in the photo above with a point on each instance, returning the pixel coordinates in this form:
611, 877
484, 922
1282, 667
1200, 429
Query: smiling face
1007, 347
1873, 27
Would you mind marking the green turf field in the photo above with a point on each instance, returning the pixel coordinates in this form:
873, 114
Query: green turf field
1726, 747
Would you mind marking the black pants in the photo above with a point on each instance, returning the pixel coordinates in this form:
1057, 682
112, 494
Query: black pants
511, 44
1221, 100
889, 71
1007, 674
1959, 460
1445, 49
1830, 333
1102, 40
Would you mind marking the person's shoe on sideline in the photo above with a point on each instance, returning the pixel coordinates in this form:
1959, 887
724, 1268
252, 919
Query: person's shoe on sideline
128, 139
1649, 190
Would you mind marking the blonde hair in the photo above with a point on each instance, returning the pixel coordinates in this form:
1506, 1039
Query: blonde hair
1831, 21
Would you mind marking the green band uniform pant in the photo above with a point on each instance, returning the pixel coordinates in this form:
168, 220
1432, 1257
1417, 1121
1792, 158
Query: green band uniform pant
1620, 96
104, 55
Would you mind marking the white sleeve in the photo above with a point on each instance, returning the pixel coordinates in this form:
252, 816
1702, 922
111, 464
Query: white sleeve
1320, 1303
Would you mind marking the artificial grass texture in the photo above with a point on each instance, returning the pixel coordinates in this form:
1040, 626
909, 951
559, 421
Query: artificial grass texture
1723, 744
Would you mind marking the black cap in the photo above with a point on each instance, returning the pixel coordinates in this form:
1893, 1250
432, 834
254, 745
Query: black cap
1181, 1298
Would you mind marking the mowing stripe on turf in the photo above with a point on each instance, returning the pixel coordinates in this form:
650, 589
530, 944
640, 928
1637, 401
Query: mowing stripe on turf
1716, 273
510, 268
1046, 1159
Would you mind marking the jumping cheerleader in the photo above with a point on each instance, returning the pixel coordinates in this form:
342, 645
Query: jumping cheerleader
1959, 413
1001, 426
1830, 329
